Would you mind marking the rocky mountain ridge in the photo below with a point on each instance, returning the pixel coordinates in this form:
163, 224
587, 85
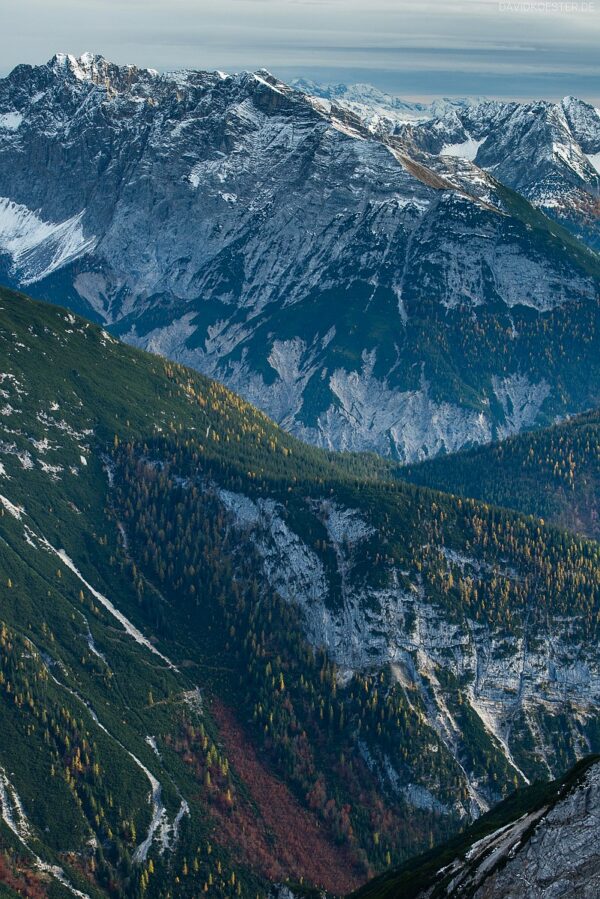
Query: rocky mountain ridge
549, 152
541, 844
365, 293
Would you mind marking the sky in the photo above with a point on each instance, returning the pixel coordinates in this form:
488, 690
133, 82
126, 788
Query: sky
517, 49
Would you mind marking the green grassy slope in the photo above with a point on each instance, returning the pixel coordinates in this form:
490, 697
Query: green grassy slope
553, 473
114, 468
68, 389
78, 695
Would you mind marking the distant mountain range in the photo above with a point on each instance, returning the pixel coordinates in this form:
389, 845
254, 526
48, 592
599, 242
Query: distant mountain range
549, 152
232, 659
363, 287
379, 109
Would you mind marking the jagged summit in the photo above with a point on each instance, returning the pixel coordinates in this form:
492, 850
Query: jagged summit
94, 68
81, 66
549, 152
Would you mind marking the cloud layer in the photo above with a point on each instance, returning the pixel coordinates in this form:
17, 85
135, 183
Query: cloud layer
540, 48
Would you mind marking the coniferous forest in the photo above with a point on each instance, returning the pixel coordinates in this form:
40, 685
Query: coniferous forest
229, 659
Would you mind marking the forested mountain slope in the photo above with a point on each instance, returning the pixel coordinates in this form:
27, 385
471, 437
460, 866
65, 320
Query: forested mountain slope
540, 842
553, 473
366, 294
230, 659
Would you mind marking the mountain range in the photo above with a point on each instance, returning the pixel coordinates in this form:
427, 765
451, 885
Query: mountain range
380, 110
549, 152
231, 660
364, 288
240, 656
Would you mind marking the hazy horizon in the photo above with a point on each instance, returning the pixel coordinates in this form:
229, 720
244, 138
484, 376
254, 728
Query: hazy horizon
414, 50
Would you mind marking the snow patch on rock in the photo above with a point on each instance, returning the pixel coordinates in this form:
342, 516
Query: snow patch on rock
37, 247
466, 150
11, 121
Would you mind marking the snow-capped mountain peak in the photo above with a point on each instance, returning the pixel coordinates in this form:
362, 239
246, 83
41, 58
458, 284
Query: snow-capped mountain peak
547, 151
288, 247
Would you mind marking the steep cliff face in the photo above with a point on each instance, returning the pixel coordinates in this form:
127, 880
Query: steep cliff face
366, 294
472, 678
